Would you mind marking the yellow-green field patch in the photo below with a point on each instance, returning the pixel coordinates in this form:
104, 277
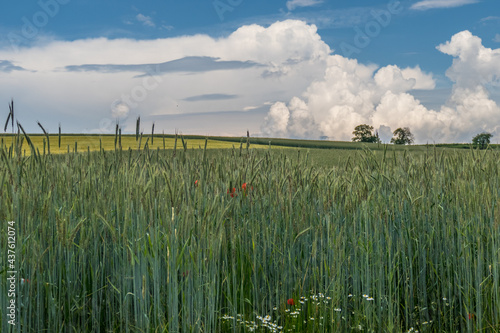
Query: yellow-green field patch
107, 142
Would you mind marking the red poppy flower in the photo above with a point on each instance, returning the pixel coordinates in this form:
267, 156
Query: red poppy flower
244, 188
232, 192
290, 302
471, 316
196, 182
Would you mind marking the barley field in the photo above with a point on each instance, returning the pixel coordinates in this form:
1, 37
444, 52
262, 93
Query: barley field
252, 240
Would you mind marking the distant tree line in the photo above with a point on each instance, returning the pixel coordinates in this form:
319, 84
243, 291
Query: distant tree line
403, 136
364, 133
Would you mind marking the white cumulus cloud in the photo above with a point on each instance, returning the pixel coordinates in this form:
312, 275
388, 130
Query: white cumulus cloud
276, 121
423, 81
351, 93
473, 64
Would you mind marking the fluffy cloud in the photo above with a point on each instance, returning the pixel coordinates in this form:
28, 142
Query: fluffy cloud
301, 123
351, 93
473, 64
276, 122
282, 43
423, 81
84, 83
293, 120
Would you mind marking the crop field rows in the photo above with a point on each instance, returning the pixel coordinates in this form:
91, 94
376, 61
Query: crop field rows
242, 240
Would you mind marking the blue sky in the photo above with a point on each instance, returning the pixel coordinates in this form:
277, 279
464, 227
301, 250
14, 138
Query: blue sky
221, 67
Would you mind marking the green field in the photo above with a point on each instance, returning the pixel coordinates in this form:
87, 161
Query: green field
322, 153
94, 142
328, 237
85, 143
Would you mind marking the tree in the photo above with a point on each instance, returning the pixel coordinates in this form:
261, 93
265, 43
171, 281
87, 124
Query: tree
482, 140
364, 133
402, 136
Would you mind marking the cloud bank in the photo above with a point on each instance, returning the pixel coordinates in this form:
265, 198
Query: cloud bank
87, 84
351, 93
